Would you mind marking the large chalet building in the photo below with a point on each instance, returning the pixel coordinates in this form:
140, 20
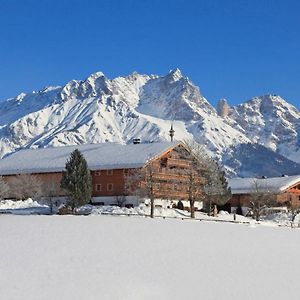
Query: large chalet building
285, 190
111, 165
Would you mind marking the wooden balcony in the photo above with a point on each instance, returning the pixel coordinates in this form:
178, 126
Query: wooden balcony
177, 163
170, 176
171, 194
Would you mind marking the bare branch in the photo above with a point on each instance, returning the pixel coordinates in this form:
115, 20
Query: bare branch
25, 186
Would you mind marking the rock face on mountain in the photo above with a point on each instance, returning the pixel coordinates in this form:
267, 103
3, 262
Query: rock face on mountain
98, 109
270, 121
222, 108
254, 160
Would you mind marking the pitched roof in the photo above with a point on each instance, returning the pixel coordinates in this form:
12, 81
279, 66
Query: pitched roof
98, 156
250, 185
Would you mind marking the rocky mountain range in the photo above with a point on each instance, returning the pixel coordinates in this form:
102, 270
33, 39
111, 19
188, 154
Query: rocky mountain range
99, 109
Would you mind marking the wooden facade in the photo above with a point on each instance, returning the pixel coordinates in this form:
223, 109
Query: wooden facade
169, 172
289, 197
169, 177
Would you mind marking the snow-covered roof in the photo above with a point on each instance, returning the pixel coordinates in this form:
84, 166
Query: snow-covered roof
251, 185
98, 156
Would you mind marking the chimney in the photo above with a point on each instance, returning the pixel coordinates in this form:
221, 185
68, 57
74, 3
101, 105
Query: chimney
136, 141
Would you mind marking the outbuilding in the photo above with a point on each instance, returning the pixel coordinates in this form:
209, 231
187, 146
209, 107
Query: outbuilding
286, 189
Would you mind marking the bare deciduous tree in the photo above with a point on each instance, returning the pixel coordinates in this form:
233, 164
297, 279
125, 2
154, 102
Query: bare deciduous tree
192, 176
50, 190
261, 197
206, 181
147, 185
215, 188
292, 209
4, 188
294, 212
191, 171
144, 183
25, 186
120, 200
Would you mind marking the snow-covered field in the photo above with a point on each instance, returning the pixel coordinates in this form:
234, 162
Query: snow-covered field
31, 207
114, 257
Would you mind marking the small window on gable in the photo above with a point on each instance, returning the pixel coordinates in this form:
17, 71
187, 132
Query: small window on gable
163, 162
110, 187
98, 187
109, 172
97, 173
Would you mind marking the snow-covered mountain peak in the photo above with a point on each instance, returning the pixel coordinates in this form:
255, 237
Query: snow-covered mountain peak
267, 104
271, 121
173, 97
95, 75
50, 88
175, 74
20, 97
99, 109
68, 90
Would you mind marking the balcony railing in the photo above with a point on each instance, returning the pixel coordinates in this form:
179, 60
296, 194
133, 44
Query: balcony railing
177, 162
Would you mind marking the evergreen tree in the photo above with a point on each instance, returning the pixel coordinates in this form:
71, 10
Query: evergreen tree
77, 180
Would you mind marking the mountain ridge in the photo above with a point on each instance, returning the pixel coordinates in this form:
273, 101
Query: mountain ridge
98, 109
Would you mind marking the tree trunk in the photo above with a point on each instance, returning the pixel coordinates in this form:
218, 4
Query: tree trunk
51, 206
215, 211
152, 208
192, 207
209, 207
258, 213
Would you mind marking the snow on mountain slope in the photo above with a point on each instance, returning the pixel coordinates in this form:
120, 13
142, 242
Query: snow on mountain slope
270, 121
98, 109
254, 160
173, 97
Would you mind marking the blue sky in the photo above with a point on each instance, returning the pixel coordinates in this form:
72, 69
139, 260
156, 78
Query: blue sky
230, 49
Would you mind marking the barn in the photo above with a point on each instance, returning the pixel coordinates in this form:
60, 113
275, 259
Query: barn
110, 164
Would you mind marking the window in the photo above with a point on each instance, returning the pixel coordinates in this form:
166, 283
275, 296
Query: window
126, 171
98, 187
98, 173
299, 198
163, 162
175, 187
109, 172
110, 187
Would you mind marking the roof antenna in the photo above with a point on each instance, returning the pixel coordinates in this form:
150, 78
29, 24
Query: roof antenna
171, 132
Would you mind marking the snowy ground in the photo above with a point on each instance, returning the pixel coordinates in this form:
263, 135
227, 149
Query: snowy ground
114, 257
30, 207
25, 207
